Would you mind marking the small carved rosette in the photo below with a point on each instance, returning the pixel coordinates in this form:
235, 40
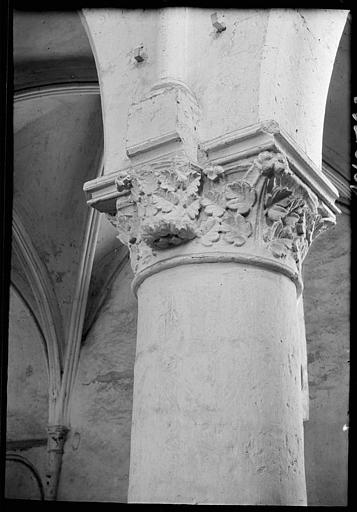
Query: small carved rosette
262, 207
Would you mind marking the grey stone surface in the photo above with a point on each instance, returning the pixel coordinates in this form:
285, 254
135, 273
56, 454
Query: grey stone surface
27, 386
327, 316
96, 458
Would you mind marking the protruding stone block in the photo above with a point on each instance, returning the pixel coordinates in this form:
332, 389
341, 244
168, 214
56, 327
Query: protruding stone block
167, 117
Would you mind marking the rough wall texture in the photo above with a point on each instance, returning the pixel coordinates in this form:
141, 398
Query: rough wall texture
53, 155
27, 389
327, 290
215, 62
96, 459
27, 396
121, 31
21, 482
275, 64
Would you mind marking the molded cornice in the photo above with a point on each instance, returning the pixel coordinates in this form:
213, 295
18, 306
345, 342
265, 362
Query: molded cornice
238, 145
228, 151
339, 181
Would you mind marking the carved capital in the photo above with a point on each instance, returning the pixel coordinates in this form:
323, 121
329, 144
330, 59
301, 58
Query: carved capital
260, 209
158, 205
57, 435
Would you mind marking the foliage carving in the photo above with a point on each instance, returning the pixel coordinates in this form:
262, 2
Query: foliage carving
170, 202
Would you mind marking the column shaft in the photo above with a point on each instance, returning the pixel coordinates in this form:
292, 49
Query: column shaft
217, 412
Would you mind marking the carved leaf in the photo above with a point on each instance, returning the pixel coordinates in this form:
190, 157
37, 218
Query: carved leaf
126, 225
280, 247
210, 231
268, 162
287, 232
306, 225
276, 195
182, 173
268, 234
276, 212
168, 181
193, 209
192, 188
150, 210
321, 225
299, 249
278, 228
281, 206
213, 171
280, 238
240, 197
292, 219
164, 202
236, 228
164, 234
147, 183
123, 182
215, 210
212, 208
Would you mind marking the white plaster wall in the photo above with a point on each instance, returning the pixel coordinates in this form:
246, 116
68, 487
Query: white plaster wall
269, 64
96, 458
223, 70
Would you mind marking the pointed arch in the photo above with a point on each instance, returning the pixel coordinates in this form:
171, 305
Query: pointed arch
46, 300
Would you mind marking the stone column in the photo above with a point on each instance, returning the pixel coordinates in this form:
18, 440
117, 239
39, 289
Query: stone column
218, 206
57, 435
218, 401
219, 397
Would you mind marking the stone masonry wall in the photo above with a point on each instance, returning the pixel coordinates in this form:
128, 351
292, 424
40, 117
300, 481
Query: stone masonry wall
327, 313
96, 458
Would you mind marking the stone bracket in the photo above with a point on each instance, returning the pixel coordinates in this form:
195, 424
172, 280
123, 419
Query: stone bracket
169, 115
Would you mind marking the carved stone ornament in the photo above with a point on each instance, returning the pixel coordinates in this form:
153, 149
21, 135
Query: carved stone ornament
172, 201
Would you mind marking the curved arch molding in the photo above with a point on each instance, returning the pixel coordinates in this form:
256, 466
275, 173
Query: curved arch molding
50, 316
56, 90
15, 457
